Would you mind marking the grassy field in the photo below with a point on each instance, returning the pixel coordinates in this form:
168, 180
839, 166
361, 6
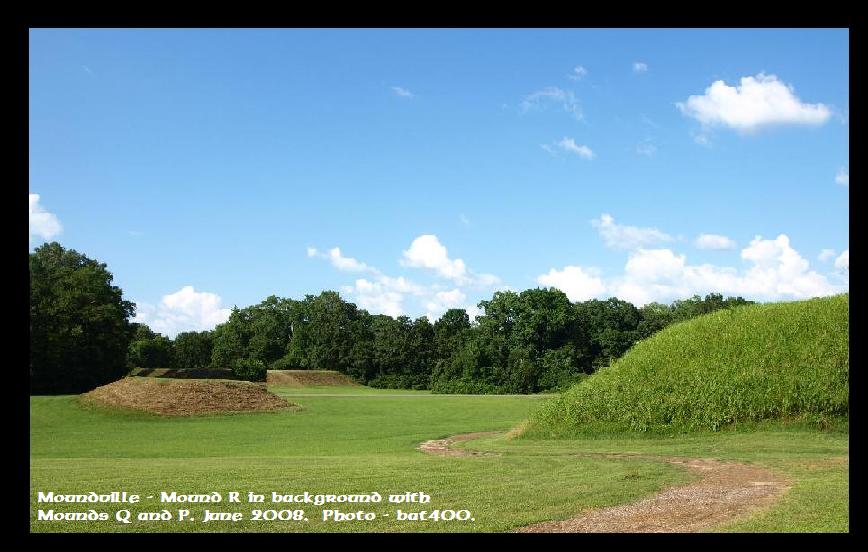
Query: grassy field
781, 361
367, 442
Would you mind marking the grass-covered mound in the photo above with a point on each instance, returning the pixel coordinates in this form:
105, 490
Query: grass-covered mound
308, 378
781, 361
181, 397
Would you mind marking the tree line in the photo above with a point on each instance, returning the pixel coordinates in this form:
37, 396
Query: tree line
81, 336
535, 340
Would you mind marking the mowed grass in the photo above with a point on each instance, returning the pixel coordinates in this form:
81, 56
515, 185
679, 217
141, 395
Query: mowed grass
816, 463
335, 445
367, 442
780, 361
354, 390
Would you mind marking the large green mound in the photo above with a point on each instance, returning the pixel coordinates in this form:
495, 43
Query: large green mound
781, 361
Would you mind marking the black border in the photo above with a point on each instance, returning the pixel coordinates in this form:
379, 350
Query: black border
500, 16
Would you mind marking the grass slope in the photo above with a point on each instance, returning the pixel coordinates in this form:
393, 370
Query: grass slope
344, 444
781, 361
308, 378
334, 445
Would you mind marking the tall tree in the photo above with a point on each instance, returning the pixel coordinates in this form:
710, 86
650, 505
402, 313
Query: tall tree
193, 350
79, 322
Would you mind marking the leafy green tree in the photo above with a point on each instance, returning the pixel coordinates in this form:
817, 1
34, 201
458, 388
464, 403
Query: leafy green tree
612, 326
229, 340
156, 351
322, 332
193, 350
79, 322
250, 369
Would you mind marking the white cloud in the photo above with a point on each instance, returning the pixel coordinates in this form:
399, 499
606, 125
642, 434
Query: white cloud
474, 312
577, 283
184, 310
569, 145
842, 263
714, 241
464, 220
843, 177
427, 251
619, 236
402, 92
578, 73
346, 264
640, 67
387, 295
757, 102
43, 224
647, 149
444, 300
826, 254
378, 297
553, 94
775, 271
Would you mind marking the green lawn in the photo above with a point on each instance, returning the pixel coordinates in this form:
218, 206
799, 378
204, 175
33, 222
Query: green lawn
367, 443
352, 390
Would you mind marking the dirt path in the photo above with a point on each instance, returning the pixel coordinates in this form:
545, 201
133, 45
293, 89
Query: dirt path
724, 491
441, 447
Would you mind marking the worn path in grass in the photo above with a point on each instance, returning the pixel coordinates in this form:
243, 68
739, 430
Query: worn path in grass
724, 492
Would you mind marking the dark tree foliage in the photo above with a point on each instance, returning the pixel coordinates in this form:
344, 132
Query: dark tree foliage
79, 322
192, 350
527, 342
149, 349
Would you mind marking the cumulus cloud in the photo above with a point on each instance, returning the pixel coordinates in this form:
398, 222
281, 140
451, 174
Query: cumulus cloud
640, 67
553, 95
334, 256
474, 312
43, 224
714, 241
758, 102
577, 283
843, 177
826, 254
618, 236
184, 310
444, 300
842, 263
578, 73
378, 297
402, 92
426, 251
775, 271
383, 294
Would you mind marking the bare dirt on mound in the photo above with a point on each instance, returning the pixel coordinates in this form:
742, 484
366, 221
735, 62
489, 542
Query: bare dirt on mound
724, 492
308, 378
184, 397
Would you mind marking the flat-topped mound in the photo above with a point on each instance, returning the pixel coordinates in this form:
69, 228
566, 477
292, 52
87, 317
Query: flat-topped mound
308, 378
185, 373
182, 397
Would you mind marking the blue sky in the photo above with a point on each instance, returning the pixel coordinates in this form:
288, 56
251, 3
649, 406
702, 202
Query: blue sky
211, 168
